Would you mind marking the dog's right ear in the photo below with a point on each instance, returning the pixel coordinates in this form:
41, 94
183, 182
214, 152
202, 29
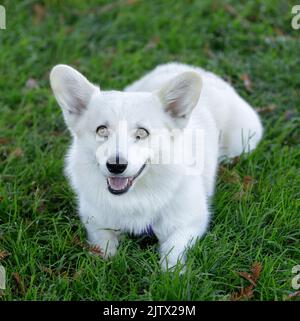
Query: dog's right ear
180, 96
72, 91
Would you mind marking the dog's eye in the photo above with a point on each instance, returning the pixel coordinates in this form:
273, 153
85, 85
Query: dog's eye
141, 133
102, 131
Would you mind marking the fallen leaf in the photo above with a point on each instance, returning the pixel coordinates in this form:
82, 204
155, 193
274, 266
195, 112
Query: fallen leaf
39, 13
3, 254
93, 249
19, 282
247, 292
247, 182
256, 269
4, 141
267, 109
247, 276
293, 295
76, 241
247, 82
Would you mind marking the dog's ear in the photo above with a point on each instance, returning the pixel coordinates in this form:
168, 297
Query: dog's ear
72, 91
180, 95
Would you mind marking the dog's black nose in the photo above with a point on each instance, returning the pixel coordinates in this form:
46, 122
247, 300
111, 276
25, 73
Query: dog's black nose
116, 165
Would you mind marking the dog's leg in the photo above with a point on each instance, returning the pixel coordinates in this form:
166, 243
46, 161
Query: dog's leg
173, 249
178, 229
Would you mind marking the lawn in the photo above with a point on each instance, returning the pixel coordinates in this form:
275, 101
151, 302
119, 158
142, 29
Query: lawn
256, 220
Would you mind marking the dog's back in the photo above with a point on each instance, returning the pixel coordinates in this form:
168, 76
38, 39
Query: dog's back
238, 124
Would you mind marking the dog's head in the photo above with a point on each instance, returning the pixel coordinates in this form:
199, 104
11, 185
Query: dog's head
115, 128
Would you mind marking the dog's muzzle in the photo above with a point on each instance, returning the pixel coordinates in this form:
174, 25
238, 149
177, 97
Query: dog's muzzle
119, 185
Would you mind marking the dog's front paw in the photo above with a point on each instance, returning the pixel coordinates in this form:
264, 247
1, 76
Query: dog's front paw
104, 249
111, 249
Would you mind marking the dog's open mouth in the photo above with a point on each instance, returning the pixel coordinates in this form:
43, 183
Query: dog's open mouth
119, 185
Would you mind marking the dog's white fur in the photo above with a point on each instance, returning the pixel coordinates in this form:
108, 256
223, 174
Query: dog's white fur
163, 196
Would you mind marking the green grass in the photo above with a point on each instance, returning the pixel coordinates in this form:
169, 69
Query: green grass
113, 45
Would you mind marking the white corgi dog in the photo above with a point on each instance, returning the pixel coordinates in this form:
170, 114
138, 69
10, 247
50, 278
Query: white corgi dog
116, 164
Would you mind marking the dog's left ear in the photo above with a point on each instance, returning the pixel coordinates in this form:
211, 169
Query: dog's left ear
180, 95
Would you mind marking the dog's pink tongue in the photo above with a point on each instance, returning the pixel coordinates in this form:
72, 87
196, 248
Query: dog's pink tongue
118, 183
